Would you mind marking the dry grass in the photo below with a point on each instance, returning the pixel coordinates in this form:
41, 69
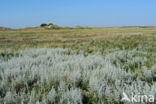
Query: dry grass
32, 38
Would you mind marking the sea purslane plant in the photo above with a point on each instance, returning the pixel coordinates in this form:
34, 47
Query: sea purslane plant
61, 76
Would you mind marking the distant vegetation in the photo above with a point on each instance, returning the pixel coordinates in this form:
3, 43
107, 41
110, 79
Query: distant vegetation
54, 26
43, 25
50, 26
4, 28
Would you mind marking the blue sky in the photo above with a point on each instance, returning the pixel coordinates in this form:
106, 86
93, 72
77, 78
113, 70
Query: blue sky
94, 13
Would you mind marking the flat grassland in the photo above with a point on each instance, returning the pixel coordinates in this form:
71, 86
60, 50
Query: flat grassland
123, 38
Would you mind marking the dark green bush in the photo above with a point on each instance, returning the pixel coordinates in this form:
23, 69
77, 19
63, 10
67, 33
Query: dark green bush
43, 25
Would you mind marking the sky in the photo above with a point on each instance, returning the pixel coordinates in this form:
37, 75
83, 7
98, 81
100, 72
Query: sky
92, 13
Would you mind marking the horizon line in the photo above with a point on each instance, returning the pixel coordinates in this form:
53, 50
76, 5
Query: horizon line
83, 26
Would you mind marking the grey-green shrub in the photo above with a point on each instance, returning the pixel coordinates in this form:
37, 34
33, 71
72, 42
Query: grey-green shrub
52, 76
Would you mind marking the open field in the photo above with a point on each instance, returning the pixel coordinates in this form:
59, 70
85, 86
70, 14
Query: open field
77, 66
108, 37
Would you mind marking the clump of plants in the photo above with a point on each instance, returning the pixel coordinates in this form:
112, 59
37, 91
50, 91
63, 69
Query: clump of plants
50, 26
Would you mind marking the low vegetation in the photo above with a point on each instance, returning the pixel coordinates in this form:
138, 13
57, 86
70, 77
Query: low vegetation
76, 66
4, 29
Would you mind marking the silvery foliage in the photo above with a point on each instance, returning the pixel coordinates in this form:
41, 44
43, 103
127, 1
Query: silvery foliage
153, 71
53, 76
127, 59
